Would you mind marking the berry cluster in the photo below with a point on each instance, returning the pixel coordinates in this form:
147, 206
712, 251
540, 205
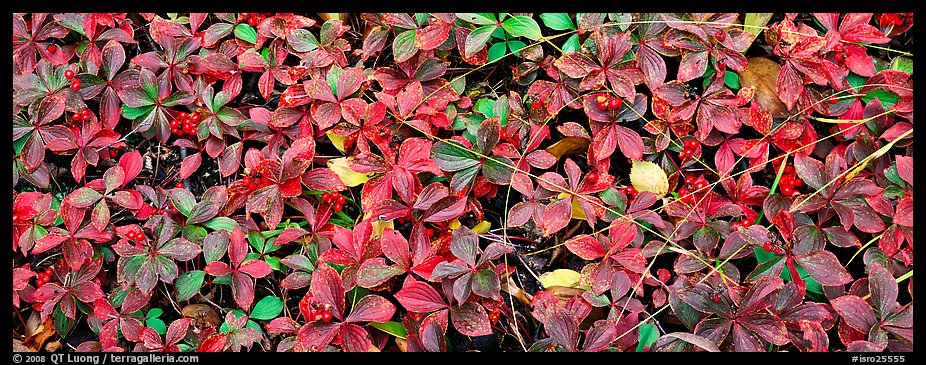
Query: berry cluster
335, 200
537, 103
693, 186
605, 102
744, 223
592, 177
255, 180
897, 19
82, 116
790, 182
115, 148
629, 191
135, 235
75, 82
840, 52
313, 311
254, 18
690, 146
44, 277
185, 123
769, 247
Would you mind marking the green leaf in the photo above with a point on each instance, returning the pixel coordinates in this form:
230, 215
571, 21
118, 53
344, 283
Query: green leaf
485, 106
133, 113
154, 313
648, 336
476, 40
393, 328
220, 223
246, 33
903, 64
497, 51
267, 308
557, 21
256, 239
522, 26
478, 18
516, 47
403, 46
501, 109
572, 44
732, 80
194, 234
224, 280
157, 324
183, 200
452, 156
189, 283
755, 22
273, 262
887, 98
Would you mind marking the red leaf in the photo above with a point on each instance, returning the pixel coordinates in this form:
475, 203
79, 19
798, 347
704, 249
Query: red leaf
420, 297
256, 268
371, 308
326, 287
586, 247
355, 339
824, 267
790, 85
855, 311
470, 319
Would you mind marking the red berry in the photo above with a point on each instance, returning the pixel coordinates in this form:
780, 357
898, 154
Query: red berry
337, 207
195, 118
317, 317
789, 169
687, 153
179, 184
721, 35
700, 185
690, 179
691, 144
252, 21
326, 197
75, 84
786, 182
797, 182
183, 115
603, 106
52, 48
430, 232
342, 200
716, 298
69, 74
721, 65
174, 124
326, 316
615, 103
592, 177
767, 247
537, 104
631, 190
787, 190
839, 56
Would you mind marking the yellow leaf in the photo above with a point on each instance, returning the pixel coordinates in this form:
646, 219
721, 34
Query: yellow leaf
559, 277
647, 176
577, 212
336, 140
482, 227
341, 167
454, 225
379, 225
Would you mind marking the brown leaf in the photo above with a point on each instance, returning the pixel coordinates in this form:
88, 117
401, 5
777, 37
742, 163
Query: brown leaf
203, 316
568, 146
42, 333
763, 74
